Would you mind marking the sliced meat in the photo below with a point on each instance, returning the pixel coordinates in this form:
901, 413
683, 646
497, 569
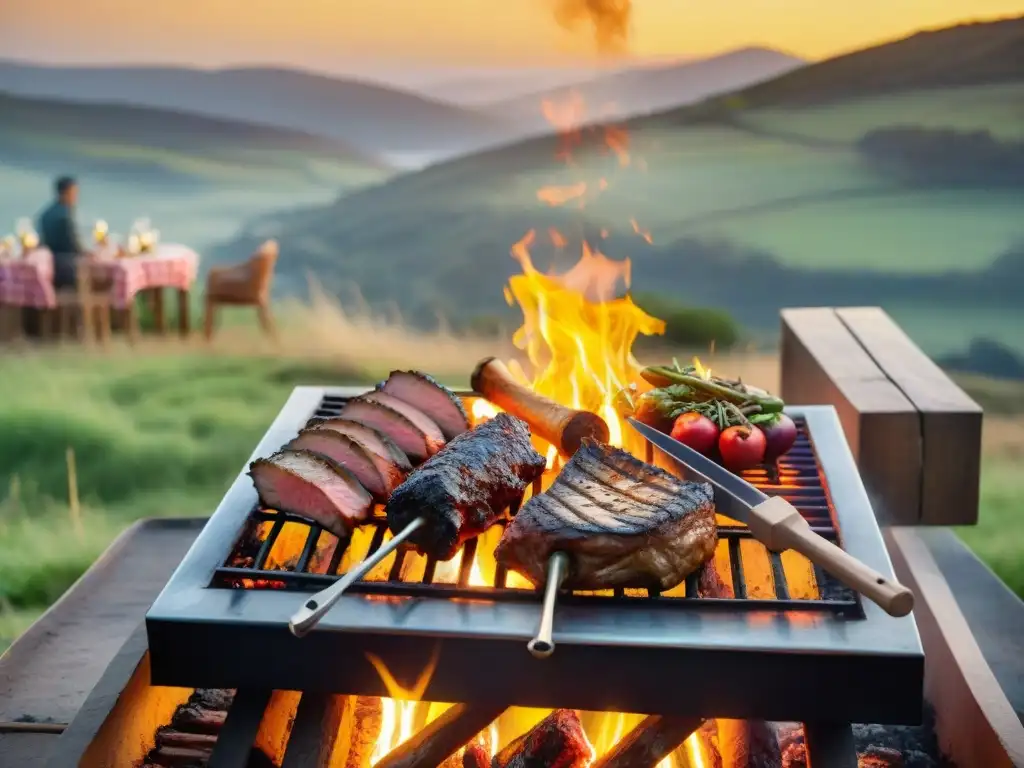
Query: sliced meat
347, 452
557, 741
391, 461
465, 487
622, 522
312, 486
403, 432
434, 399
434, 435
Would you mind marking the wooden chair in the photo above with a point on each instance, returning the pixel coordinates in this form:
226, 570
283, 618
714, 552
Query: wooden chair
87, 306
243, 285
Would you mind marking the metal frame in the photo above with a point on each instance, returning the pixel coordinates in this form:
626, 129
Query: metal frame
774, 665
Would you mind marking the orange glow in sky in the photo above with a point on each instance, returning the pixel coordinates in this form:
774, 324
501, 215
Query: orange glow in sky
330, 34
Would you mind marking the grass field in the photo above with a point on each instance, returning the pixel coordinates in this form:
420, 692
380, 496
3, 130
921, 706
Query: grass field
789, 184
163, 429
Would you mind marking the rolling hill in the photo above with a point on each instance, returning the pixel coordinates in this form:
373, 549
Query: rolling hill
373, 117
200, 178
749, 208
645, 89
114, 139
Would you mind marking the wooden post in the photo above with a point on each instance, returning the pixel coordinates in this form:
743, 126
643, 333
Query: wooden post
916, 436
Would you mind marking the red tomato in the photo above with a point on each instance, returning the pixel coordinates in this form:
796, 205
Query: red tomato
697, 431
742, 447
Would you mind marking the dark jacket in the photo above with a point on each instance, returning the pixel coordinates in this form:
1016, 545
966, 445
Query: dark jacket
58, 233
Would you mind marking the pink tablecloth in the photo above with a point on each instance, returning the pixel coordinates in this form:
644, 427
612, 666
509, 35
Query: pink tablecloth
28, 282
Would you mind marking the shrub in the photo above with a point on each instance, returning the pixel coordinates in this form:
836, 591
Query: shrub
691, 326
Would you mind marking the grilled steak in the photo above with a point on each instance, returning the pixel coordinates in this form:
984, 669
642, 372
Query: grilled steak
389, 459
466, 486
623, 523
346, 452
312, 486
403, 432
434, 399
435, 437
556, 741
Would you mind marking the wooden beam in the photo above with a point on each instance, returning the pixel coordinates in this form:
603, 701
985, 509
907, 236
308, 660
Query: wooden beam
824, 364
975, 723
950, 419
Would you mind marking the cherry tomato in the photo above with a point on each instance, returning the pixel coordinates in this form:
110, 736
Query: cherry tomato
697, 431
742, 447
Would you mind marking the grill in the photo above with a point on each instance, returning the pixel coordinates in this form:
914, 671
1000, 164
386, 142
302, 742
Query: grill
797, 478
779, 641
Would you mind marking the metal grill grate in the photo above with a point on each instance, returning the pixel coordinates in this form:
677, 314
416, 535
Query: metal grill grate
751, 577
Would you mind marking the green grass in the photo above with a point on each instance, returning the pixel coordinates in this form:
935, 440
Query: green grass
998, 539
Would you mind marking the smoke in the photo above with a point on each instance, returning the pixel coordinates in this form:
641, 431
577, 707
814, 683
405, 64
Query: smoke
608, 18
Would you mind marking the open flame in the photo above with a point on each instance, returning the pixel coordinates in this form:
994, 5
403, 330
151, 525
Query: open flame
578, 327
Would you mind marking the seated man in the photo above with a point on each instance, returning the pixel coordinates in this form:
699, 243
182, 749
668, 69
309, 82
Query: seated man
58, 232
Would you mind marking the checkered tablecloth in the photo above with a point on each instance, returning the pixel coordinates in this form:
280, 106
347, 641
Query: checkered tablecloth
28, 282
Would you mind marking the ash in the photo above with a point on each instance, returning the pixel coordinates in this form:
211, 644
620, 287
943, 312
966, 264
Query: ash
878, 746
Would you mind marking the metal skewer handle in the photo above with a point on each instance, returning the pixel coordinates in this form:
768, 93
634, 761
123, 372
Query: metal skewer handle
543, 645
314, 609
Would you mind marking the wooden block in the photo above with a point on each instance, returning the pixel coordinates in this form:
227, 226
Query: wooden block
975, 723
950, 419
824, 364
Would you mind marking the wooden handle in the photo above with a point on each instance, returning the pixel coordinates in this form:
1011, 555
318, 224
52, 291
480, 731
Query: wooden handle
563, 427
778, 525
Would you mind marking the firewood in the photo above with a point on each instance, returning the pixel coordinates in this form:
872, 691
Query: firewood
880, 757
192, 718
172, 757
361, 733
475, 756
212, 698
558, 739
442, 738
650, 742
168, 737
748, 744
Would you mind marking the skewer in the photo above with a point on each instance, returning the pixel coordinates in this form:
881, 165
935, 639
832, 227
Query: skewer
543, 645
314, 609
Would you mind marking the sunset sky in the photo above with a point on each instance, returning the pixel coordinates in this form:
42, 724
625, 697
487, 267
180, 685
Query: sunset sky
355, 35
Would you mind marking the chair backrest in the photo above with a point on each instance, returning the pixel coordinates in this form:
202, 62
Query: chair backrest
261, 266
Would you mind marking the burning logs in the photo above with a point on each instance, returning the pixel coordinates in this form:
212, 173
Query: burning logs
442, 738
654, 739
558, 740
475, 756
563, 427
748, 744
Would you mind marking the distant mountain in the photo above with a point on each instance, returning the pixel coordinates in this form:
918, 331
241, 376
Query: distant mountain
645, 89
966, 54
488, 87
373, 117
131, 143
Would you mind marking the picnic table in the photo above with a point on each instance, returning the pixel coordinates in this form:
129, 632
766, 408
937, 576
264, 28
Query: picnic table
28, 281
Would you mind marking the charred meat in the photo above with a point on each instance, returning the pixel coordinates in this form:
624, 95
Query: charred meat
434, 435
397, 426
622, 522
346, 452
434, 399
557, 740
312, 486
392, 462
465, 487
